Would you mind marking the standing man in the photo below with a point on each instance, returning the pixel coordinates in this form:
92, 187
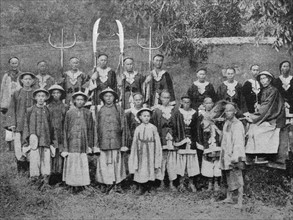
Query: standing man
102, 78
43, 79
157, 81
9, 85
251, 89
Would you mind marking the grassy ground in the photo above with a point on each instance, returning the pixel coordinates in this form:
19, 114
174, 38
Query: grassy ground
267, 196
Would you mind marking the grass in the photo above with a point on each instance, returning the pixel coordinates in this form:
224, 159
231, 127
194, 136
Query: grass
267, 196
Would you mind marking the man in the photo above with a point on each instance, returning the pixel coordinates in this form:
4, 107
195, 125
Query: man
43, 79
264, 130
9, 85
132, 82
102, 78
157, 81
251, 89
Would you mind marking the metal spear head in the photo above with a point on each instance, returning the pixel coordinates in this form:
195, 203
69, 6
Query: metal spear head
121, 36
95, 34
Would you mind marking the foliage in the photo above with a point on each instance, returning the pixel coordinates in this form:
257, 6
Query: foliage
271, 18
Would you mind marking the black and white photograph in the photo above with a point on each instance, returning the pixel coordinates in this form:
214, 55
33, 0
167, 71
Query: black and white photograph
146, 109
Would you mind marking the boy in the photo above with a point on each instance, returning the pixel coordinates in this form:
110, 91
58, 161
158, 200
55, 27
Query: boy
162, 119
110, 164
57, 112
74, 79
43, 79
232, 156
185, 137
39, 132
20, 101
146, 152
210, 139
78, 141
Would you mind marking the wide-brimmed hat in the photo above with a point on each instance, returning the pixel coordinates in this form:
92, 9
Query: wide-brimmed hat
79, 93
143, 110
106, 91
27, 73
267, 73
56, 87
41, 90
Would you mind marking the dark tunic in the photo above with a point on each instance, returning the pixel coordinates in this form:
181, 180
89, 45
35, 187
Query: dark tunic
78, 130
131, 86
38, 122
250, 96
197, 98
185, 129
131, 123
21, 100
57, 112
110, 128
44, 82
287, 94
235, 96
159, 83
102, 79
163, 122
73, 82
271, 107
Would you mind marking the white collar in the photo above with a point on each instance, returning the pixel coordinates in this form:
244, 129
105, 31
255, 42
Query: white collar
285, 81
187, 115
158, 76
43, 80
166, 111
255, 85
231, 88
129, 77
101, 73
201, 86
73, 76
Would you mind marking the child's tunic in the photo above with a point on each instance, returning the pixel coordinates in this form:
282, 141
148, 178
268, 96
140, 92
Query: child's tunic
100, 80
185, 137
231, 92
132, 83
110, 164
73, 82
162, 119
21, 100
78, 136
159, 82
199, 91
44, 81
38, 122
146, 154
57, 112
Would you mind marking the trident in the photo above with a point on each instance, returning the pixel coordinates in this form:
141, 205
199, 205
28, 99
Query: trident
62, 47
150, 48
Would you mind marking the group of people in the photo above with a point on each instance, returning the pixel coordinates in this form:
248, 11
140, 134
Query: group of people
133, 125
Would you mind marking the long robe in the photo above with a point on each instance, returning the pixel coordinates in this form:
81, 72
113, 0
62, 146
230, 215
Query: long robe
73, 82
131, 123
78, 136
264, 132
251, 94
199, 91
100, 80
57, 112
159, 82
232, 144
146, 154
131, 84
231, 92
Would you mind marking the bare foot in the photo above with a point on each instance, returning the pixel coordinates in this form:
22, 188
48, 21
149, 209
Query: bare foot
181, 188
227, 200
192, 188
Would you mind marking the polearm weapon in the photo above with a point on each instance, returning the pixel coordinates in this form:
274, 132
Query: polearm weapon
62, 47
95, 38
150, 49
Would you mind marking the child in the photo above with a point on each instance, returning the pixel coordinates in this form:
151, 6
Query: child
74, 79
232, 156
162, 119
78, 141
43, 79
146, 151
39, 132
20, 101
57, 111
110, 164
185, 137
210, 139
